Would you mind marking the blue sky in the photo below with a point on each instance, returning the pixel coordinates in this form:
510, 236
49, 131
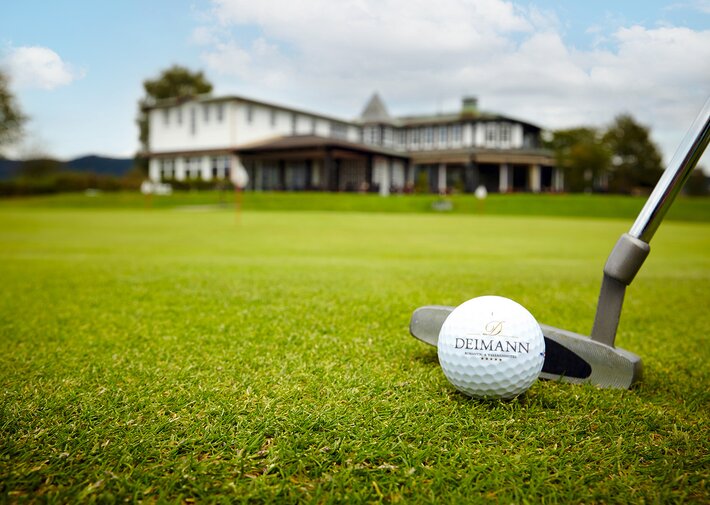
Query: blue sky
77, 66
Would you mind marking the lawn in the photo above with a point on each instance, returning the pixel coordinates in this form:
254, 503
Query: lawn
570, 205
176, 353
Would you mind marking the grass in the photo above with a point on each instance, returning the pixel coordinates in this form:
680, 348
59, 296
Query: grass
570, 205
160, 355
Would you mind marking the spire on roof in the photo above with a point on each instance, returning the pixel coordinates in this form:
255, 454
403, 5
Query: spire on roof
375, 111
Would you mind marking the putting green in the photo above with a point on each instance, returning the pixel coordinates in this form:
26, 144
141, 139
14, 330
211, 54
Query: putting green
169, 355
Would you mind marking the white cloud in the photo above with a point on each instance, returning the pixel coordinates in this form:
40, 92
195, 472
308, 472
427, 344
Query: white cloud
38, 67
322, 29
702, 6
330, 56
261, 62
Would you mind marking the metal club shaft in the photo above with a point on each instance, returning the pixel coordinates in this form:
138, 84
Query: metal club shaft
679, 169
632, 248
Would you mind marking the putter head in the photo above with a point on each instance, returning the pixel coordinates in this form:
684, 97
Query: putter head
569, 357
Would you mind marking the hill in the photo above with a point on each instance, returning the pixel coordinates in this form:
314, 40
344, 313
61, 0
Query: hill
96, 164
9, 168
100, 165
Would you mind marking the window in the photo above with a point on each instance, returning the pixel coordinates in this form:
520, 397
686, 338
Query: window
294, 120
491, 133
505, 134
250, 113
192, 168
206, 113
529, 140
338, 130
270, 176
442, 135
220, 112
456, 133
179, 115
387, 136
166, 117
196, 167
193, 120
272, 117
372, 135
313, 125
167, 169
215, 167
428, 135
401, 138
220, 167
415, 136
296, 175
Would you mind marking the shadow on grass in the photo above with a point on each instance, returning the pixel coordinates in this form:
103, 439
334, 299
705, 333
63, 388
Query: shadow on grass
427, 356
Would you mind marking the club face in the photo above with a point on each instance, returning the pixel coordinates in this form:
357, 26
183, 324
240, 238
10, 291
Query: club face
569, 357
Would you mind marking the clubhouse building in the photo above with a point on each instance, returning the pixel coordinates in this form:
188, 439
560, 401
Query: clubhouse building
283, 148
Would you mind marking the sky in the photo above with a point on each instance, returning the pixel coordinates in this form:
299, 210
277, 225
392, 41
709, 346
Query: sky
77, 67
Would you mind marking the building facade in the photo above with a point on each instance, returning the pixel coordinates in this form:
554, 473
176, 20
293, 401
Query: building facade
283, 148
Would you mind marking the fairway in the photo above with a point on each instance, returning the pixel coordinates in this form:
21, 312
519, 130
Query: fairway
181, 354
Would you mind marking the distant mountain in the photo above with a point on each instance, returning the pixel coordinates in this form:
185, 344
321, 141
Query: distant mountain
8, 168
96, 164
100, 165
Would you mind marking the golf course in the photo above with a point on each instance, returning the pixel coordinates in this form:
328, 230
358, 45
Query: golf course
178, 349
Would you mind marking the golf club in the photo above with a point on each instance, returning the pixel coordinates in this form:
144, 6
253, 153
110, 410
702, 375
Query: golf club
576, 358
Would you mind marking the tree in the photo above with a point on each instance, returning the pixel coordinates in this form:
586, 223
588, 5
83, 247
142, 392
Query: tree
698, 183
11, 118
623, 159
583, 157
636, 161
41, 167
175, 82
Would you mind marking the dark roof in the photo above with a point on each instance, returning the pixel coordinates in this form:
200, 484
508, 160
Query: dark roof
296, 142
462, 117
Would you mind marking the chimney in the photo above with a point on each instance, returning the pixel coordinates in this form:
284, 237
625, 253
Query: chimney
469, 105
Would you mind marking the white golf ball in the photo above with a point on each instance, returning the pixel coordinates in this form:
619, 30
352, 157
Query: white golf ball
491, 347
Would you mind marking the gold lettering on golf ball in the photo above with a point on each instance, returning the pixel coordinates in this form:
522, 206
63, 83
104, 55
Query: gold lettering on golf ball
491, 347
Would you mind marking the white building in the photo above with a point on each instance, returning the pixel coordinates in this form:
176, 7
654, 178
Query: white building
283, 148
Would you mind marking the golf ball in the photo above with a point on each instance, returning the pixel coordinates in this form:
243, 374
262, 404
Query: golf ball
491, 347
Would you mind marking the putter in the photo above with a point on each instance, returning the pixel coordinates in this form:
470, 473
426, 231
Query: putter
575, 358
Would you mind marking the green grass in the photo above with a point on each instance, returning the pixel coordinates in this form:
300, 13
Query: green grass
161, 355
570, 205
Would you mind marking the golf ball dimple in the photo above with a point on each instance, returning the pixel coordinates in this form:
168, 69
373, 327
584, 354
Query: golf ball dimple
491, 347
